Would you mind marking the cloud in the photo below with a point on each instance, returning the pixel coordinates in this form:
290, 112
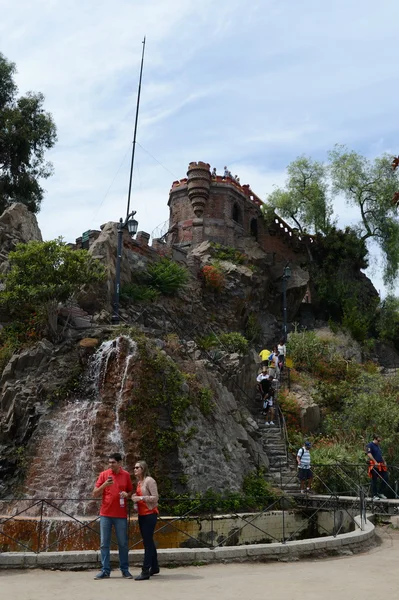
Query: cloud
250, 85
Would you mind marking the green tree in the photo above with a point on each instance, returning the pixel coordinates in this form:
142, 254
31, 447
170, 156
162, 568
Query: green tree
304, 199
388, 320
43, 274
26, 132
371, 185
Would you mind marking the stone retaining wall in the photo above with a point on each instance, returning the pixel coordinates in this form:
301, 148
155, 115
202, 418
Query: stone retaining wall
355, 541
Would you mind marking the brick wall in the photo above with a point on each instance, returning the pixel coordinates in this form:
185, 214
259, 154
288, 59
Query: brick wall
231, 211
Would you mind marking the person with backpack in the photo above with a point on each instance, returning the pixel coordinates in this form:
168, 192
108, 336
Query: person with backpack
265, 387
304, 469
274, 370
378, 470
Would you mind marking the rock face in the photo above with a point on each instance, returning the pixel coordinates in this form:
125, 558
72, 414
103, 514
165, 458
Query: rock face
17, 224
134, 259
217, 449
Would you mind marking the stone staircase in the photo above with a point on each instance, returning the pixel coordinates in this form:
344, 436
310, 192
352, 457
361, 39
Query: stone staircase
282, 469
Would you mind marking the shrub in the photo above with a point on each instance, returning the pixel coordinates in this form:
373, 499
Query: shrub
234, 342
291, 410
208, 342
167, 277
227, 253
205, 401
213, 277
138, 292
253, 330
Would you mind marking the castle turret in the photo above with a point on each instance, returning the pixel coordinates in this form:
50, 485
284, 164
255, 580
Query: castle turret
198, 186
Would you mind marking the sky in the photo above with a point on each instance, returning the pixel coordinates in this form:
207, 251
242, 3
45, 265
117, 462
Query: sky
250, 85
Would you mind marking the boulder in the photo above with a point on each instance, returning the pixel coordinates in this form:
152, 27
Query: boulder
17, 225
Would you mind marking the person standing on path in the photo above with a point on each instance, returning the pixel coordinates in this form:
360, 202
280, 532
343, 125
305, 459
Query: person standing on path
304, 469
146, 499
115, 486
378, 470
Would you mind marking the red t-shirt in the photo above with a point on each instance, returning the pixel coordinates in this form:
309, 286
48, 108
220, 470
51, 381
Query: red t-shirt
110, 505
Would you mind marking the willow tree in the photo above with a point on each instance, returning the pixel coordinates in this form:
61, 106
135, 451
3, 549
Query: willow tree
304, 199
371, 186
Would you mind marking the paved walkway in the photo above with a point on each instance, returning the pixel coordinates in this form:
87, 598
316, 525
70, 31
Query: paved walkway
367, 576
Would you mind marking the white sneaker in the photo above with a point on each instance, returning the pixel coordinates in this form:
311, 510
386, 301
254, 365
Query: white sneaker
272, 423
383, 497
267, 423
376, 498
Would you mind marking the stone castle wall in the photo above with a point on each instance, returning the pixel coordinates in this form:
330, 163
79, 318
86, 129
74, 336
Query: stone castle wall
219, 209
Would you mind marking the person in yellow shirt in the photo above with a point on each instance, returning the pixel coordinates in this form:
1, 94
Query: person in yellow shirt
264, 356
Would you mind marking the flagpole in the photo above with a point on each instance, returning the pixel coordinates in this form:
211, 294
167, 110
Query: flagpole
135, 131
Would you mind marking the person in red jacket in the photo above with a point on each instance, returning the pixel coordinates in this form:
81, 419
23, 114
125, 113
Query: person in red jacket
115, 486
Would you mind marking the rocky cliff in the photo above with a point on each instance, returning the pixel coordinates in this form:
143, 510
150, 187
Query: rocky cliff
149, 389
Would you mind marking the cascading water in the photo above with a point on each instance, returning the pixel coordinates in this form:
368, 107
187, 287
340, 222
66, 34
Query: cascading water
74, 440
116, 437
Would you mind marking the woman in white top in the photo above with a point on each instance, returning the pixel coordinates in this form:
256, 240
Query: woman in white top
282, 352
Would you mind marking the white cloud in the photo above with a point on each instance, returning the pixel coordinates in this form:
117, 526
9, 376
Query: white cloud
251, 85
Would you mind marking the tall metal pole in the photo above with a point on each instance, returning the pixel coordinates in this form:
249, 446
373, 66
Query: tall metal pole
135, 131
285, 307
115, 315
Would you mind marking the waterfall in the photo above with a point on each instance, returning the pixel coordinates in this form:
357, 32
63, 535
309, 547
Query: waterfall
74, 439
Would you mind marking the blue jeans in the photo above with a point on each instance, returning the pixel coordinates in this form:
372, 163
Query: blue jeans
120, 526
147, 527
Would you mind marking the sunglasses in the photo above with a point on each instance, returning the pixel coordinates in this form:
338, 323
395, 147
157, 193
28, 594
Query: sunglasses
137, 467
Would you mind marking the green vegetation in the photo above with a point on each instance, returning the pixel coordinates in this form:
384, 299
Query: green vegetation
138, 292
164, 277
253, 330
26, 132
256, 494
167, 277
43, 274
369, 185
356, 401
227, 253
229, 342
304, 200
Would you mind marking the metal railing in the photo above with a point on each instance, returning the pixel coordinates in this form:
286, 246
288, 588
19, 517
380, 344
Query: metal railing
206, 522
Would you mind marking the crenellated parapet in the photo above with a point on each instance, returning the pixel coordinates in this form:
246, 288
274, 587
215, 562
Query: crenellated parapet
207, 206
198, 186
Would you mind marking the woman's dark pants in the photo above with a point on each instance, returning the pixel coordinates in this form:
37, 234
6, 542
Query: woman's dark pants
147, 527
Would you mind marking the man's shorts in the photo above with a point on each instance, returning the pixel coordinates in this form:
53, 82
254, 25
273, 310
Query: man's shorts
305, 474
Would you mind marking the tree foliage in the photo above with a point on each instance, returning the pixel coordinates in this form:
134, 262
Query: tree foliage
304, 198
43, 274
388, 320
26, 132
370, 186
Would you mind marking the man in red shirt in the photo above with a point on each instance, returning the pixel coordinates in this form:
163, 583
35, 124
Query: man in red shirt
115, 486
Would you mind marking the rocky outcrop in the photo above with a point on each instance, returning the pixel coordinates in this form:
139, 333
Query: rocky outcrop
17, 225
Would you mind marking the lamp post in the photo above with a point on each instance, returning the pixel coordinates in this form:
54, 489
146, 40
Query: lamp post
131, 224
286, 276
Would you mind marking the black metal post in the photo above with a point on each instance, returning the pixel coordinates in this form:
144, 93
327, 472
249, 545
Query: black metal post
115, 316
285, 307
135, 131
39, 533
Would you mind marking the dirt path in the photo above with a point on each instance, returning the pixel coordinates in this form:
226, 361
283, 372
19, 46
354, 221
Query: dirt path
368, 576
